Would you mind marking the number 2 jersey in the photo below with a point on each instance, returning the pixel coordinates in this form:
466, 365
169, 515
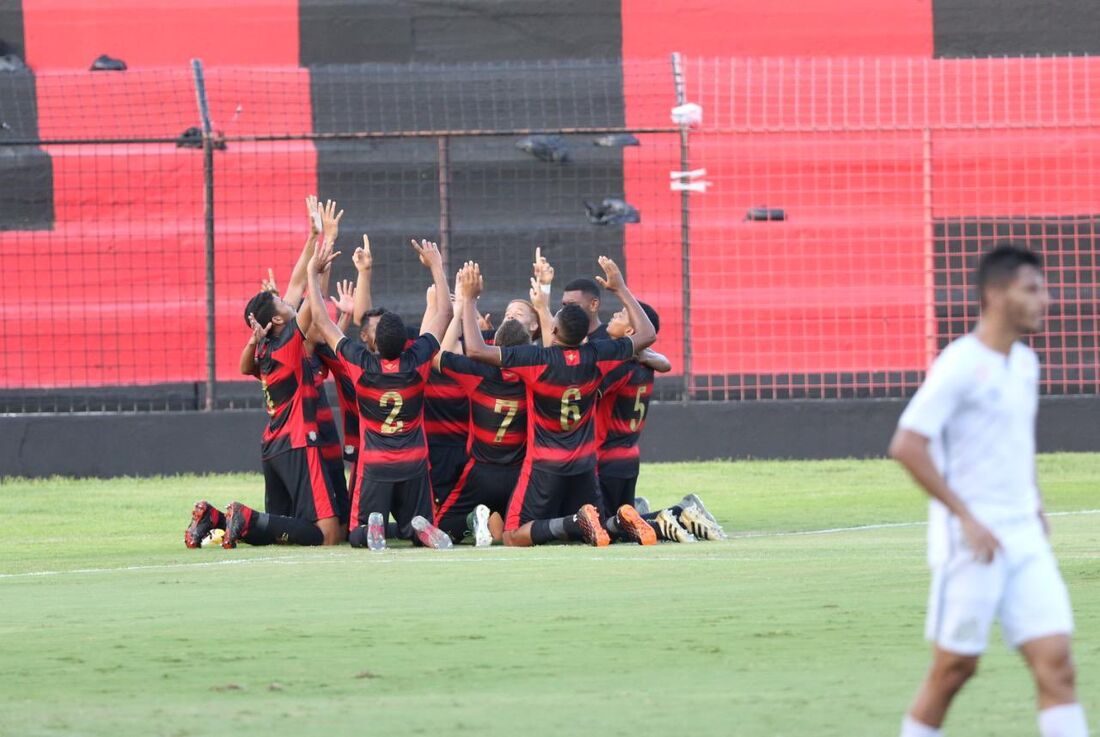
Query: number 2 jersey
562, 390
390, 395
620, 418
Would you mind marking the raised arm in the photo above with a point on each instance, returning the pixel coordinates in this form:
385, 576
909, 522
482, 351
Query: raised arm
295, 289
612, 281
543, 278
654, 360
364, 264
330, 228
476, 348
433, 260
345, 303
322, 324
248, 354
450, 342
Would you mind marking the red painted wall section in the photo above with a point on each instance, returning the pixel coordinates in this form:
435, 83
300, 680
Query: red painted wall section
71, 33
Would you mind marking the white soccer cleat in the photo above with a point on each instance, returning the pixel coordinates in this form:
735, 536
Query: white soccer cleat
641, 504
669, 528
483, 538
701, 525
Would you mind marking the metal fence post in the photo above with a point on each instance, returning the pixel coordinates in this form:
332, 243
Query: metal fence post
208, 229
685, 230
443, 148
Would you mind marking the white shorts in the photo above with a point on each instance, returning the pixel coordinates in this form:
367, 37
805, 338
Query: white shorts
1021, 587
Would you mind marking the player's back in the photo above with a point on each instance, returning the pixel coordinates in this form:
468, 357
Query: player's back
620, 418
498, 409
289, 391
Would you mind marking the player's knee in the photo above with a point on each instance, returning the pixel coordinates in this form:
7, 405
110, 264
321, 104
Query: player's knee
1056, 673
331, 531
953, 672
513, 540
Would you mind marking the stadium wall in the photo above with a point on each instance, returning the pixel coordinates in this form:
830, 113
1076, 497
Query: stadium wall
165, 443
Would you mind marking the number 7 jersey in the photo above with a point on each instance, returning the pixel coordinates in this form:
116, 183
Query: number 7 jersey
390, 395
562, 390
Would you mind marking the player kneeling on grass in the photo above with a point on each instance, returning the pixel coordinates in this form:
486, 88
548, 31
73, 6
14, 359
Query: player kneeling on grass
968, 438
393, 460
557, 497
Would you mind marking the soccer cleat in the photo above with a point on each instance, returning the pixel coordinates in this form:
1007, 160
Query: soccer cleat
633, 527
376, 532
591, 528
429, 535
641, 504
693, 500
202, 523
669, 528
698, 524
483, 538
237, 518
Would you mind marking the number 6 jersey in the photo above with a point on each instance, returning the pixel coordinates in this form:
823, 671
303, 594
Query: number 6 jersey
390, 395
562, 388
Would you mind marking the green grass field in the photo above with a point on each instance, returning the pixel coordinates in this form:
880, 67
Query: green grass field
109, 626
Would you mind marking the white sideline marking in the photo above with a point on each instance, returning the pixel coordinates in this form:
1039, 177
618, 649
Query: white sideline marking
461, 558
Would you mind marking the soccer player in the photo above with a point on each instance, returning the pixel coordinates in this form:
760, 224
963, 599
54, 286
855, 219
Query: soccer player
498, 433
393, 460
968, 438
558, 496
585, 293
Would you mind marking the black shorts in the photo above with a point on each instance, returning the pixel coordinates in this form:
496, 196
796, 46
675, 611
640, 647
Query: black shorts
543, 495
296, 484
480, 483
447, 462
334, 467
403, 499
616, 492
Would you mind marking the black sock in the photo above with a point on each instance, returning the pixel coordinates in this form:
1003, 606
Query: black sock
392, 531
357, 538
611, 524
268, 529
540, 532
650, 516
570, 528
217, 518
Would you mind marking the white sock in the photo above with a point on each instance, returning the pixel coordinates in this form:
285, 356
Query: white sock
1064, 720
910, 727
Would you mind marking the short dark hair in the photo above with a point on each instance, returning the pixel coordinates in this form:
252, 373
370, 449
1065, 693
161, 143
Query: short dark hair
652, 315
390, 335
374, 312
586, 286
262, 307
998, 266
572, 324
511, 332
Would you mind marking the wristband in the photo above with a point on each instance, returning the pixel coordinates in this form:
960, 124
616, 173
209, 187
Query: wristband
545, 289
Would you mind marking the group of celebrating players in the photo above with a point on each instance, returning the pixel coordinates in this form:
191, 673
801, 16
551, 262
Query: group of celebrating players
524, 435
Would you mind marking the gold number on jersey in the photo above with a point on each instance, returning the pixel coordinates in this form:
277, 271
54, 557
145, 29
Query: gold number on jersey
267, 398
392, 425
570, 411
507, 407
636, 422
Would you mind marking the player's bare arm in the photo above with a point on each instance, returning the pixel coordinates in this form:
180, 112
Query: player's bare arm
345, 303
656, 361
451, 339
910, 449
323, 325
644, 333
364, 266
248, 353
541, 281
295, 288
431, 259
476, 347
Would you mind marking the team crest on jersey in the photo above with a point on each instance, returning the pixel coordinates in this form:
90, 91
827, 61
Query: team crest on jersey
391, 367
508, 376
572, 358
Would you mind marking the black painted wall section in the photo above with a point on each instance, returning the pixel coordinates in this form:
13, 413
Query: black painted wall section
964, 28
11, 28
26, 172
181, 442
342, 32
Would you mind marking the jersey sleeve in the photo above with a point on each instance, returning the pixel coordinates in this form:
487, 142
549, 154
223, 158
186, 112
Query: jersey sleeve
420, 354
616, 378
938, 397
610, 354
329, 360
355, 358
466, 371
526, 361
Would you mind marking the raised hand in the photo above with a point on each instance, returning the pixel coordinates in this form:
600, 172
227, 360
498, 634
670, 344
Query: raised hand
542, 269
362, 257
322, 258
259, 332
314, 212
330, 221
345, 299
484, 322
614, 277
540, 300
268, 284
470, 280
428, 252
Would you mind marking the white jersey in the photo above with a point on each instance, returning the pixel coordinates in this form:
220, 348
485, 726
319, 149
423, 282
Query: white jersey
978, 407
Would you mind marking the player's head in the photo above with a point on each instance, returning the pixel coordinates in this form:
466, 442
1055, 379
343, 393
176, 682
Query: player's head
1011, 286
267, 307
524, 312
369, 326
620, 325
583, 292
390, 335
570, 326
511, 332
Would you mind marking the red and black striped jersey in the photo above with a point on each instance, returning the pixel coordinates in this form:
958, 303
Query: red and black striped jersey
498, 409
390, 395
446, 411
620, 417
328, 437
562, 389
289, 391
345, 395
